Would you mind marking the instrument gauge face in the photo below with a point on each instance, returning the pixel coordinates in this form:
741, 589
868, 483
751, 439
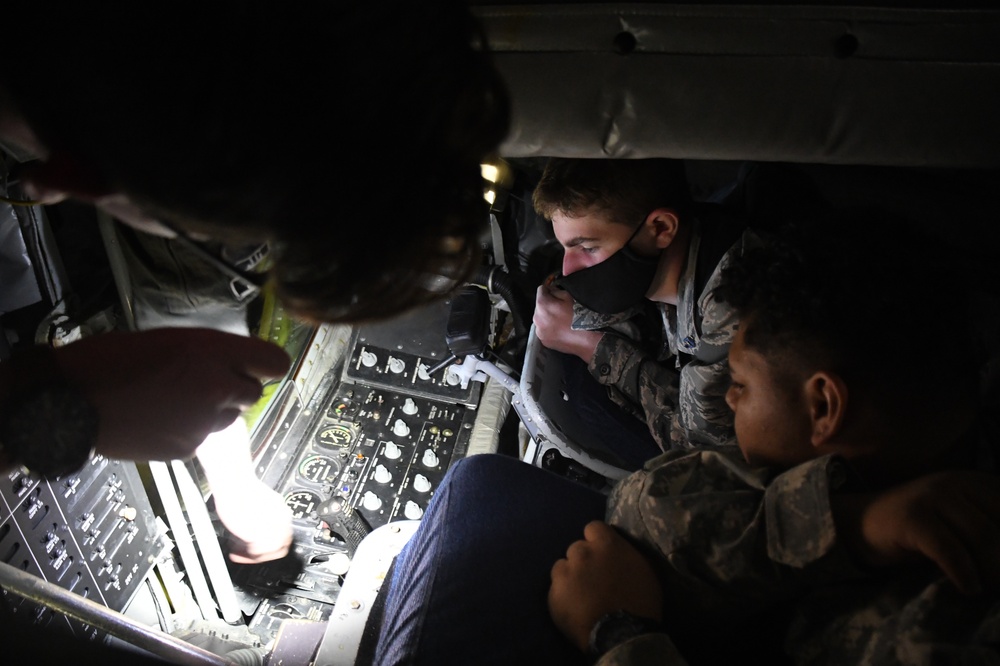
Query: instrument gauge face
319, 469
335, 435
302, 503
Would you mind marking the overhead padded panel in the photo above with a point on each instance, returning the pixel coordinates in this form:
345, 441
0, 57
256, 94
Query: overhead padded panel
818, 84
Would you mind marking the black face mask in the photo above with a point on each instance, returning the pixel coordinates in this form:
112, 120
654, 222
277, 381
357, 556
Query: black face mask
614, 285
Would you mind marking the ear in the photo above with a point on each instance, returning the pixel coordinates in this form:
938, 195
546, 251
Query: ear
62, 176
664, 223
826, 400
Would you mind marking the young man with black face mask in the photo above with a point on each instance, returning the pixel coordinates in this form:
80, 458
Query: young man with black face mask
638, 249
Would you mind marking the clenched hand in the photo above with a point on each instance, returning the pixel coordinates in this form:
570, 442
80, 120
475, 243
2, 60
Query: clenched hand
600, 574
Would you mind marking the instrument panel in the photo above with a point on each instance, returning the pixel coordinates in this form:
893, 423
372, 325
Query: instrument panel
369, 447
382, 451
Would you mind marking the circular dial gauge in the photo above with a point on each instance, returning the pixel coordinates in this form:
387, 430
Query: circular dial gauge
335, 435
302, 503
319, 469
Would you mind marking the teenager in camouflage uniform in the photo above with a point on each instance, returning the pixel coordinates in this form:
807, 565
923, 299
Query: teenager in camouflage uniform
839, 473
822, 538
637, 249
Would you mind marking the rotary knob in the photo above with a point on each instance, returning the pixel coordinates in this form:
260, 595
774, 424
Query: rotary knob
421, 483
400, 428
430, 458
412, 510
368, 359
396, 365
409, 407
371, 501
392, 450
382, 474
422, 372
452, 378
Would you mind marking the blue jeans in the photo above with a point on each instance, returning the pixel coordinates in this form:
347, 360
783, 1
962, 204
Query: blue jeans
471, 586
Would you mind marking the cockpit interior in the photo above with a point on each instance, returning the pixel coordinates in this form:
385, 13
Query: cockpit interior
771, 106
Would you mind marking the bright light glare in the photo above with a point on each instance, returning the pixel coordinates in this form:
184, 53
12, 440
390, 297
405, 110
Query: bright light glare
489, 172
254, 513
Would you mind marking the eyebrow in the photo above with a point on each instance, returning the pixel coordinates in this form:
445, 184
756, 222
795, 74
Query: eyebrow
579, 240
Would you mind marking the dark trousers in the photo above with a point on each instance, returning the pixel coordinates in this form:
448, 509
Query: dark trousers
471, 586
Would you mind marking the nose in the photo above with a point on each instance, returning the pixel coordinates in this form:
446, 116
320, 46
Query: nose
571, 263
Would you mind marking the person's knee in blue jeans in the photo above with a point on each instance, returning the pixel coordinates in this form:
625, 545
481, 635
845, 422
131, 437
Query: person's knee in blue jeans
471, 585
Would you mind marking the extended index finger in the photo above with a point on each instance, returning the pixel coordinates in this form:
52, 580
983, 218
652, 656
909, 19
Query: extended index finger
259, 358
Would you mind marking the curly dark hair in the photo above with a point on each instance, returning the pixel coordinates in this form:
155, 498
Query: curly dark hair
348, 134
624, 190
858, 292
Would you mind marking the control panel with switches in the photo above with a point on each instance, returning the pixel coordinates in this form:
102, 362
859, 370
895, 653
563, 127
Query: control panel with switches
369, 451
92, 532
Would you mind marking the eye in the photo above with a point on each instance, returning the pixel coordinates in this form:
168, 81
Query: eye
588, 250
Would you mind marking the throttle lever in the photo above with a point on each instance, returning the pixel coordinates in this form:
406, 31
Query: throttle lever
344, 521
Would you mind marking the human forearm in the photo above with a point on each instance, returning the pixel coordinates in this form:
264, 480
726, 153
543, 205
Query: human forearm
259, 522
951, 518
640, 380
581, 344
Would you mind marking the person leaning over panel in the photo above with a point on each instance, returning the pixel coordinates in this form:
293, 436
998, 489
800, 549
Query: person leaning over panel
634, 240
857, 521
277, 122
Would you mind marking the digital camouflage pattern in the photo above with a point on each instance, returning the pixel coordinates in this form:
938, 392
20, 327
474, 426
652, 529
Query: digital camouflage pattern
920, 619
680, 388
733, 544
725, 530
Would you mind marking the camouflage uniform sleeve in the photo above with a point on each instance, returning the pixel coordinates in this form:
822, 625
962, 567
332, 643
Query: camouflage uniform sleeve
800, 527
723, 533
704, 417
652, 649
640, 383
902, 620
